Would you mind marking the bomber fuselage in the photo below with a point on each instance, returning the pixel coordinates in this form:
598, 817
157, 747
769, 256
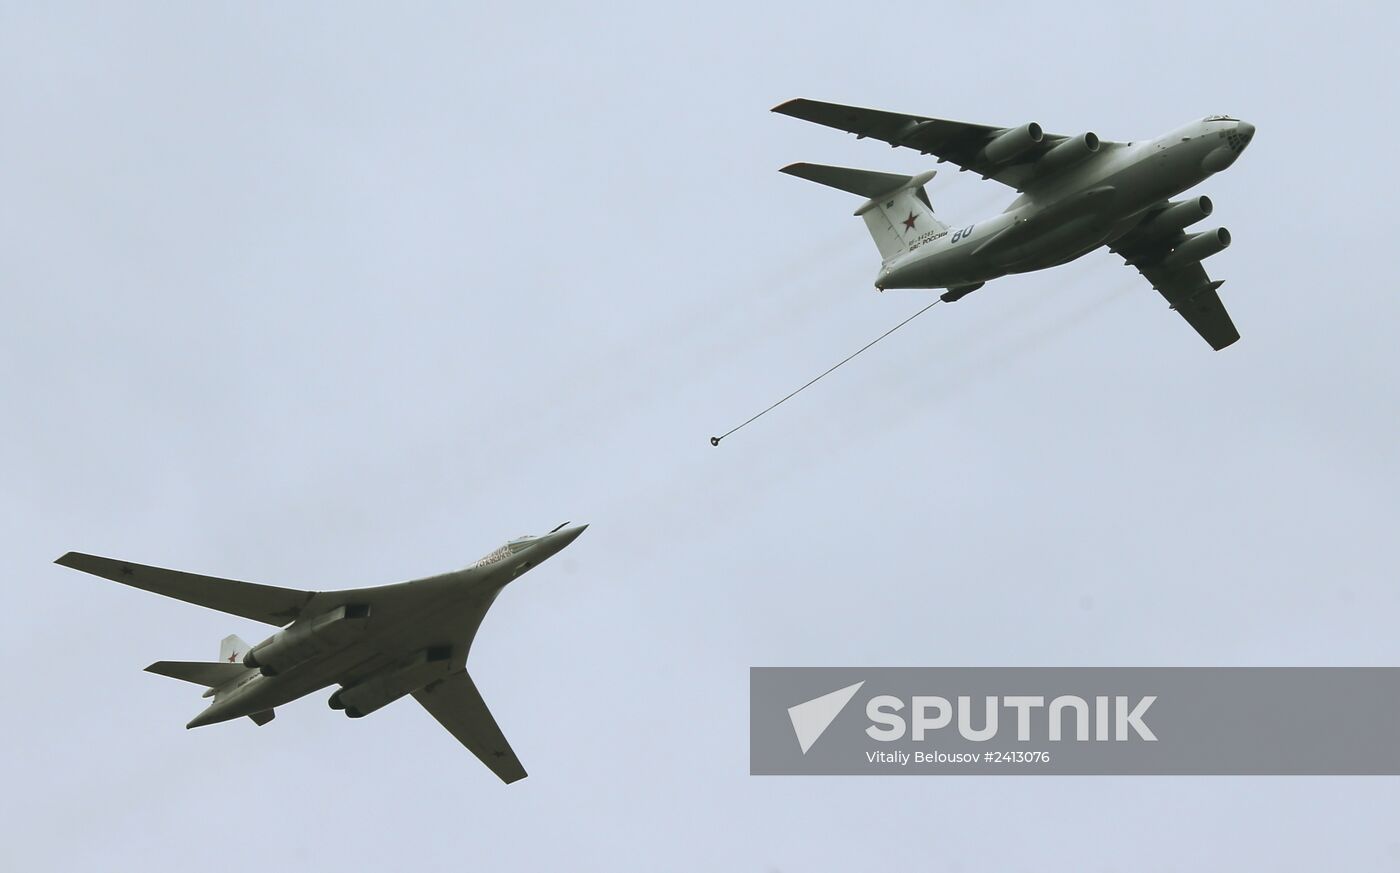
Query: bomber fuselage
374, 631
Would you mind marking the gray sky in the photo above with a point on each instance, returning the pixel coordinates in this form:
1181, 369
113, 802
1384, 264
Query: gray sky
330, 296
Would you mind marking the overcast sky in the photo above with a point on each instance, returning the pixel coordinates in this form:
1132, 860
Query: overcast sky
328, 296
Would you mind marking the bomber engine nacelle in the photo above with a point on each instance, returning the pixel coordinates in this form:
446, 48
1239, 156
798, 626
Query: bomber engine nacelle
1198, 247
308, 638
384, 688
1179, 214
1013, 142
1069, 152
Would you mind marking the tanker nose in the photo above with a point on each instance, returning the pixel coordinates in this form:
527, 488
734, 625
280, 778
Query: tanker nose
1245, 131
1225, 154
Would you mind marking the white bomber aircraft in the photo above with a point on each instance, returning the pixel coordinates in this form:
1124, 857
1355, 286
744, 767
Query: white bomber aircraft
378, 644
1077, 193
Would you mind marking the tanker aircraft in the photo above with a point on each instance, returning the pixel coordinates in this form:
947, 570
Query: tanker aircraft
1077, 193
378, 644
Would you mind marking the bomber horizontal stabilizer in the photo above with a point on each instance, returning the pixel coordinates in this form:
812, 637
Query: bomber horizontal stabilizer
210, 674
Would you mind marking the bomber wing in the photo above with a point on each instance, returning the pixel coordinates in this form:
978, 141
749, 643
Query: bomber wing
265, 603
457, 705
957, 142
1186, 286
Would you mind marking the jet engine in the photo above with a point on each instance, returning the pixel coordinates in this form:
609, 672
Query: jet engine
1179, 214
1198, 247
1068, 153
384, 688
1013, 142
308, 638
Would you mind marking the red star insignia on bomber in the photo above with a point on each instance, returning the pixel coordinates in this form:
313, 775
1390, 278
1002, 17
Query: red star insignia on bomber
231, 656
909, 222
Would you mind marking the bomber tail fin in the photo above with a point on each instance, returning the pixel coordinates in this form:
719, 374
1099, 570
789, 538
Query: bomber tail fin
898, 213
232, 649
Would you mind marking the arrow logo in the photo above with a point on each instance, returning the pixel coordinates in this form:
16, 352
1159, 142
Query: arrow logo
811, 719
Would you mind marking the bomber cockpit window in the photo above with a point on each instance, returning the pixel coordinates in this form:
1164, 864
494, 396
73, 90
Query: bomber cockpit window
514, 547
1220, 118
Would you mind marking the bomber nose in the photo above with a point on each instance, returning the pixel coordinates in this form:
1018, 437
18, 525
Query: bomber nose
1245, 131
569, 534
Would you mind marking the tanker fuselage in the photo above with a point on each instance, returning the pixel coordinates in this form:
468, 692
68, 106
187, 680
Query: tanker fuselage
1075, 210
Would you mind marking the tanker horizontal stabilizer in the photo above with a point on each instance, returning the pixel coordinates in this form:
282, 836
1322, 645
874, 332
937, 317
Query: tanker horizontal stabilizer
897, 211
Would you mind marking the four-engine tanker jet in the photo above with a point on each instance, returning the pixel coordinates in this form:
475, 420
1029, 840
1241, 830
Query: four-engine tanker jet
378, 644
1077, 193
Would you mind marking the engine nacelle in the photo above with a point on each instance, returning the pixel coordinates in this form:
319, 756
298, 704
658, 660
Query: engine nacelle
1012, 143
384, 688
1198, 247
1068, 153
306, 639
1180, 214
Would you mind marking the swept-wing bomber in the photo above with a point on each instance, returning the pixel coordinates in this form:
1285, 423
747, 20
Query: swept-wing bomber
1077, 193
377, 644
